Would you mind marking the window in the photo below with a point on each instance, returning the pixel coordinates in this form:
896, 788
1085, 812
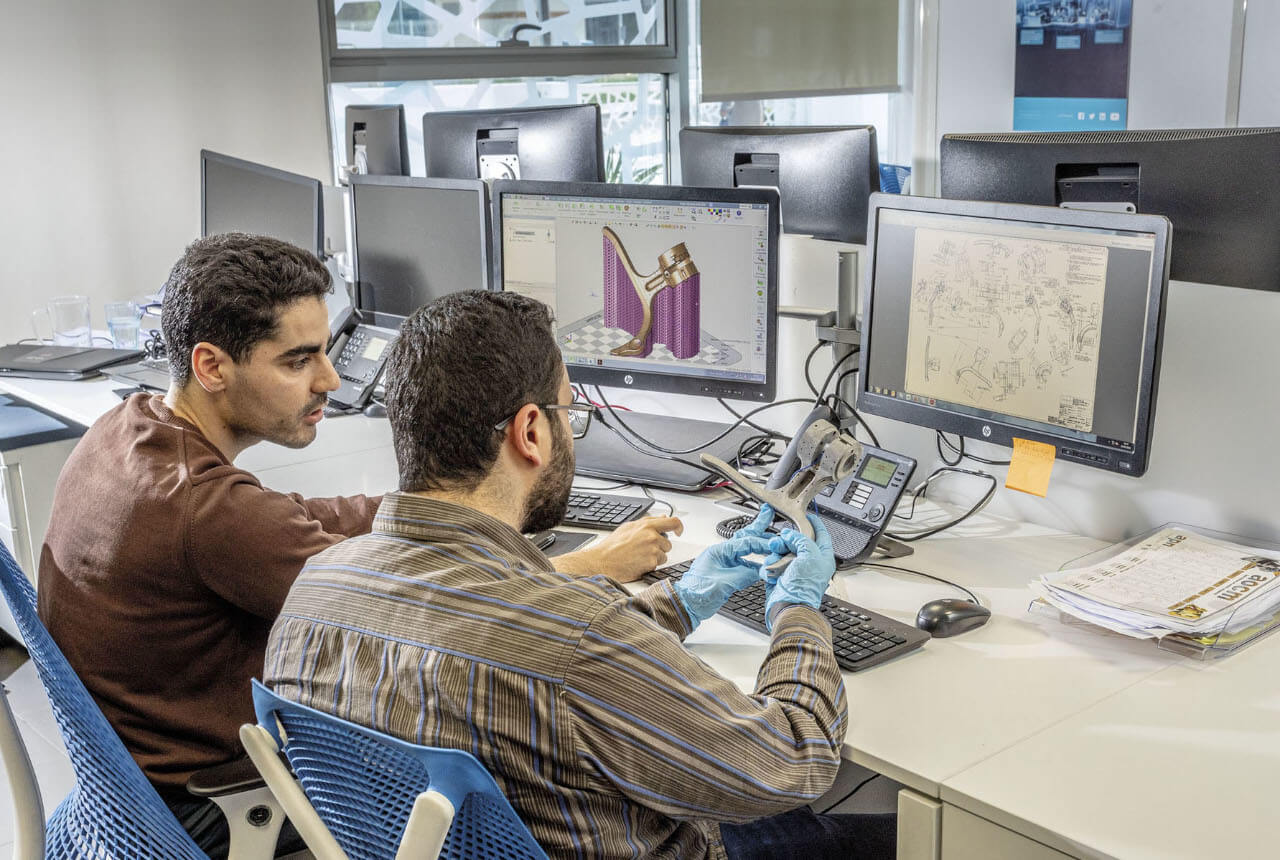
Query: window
633, 111
437, 55
484, 23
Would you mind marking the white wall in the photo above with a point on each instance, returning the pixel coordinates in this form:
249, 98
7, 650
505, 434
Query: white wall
1213, 459
107, 106
1259, 94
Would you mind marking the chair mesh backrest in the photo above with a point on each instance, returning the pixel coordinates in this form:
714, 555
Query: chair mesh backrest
113, 811
893, 177
363, 784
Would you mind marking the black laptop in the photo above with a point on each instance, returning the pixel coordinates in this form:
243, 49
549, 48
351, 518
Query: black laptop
37, 361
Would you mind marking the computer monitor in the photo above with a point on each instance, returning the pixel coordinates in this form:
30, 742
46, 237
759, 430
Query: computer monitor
245, 197
376, 140
1218, 186
823, 173
561, 144
417, 239
1000, 321
659, 288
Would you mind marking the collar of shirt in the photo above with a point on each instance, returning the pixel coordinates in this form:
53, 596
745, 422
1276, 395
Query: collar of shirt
436, 521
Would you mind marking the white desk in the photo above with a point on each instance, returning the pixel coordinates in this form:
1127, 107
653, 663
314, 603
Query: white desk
1022, 730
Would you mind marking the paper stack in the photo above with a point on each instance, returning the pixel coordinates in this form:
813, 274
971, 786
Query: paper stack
1173, 581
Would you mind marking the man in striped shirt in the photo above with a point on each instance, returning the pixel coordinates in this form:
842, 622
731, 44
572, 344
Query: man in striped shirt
446, 627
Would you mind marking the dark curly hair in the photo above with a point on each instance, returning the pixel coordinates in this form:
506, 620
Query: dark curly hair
463, 364
229, 289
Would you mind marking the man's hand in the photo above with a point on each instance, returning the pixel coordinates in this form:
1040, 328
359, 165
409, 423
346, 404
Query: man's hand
626, 554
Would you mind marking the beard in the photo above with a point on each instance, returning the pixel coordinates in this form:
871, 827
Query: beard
549, 498
290, 432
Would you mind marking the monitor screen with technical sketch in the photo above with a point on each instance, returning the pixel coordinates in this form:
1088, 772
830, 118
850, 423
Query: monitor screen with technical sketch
1000, 321
658, 288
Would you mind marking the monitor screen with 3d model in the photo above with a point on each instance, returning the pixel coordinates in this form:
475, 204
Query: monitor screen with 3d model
661, 288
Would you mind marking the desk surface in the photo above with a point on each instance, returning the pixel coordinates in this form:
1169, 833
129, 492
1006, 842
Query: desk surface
1096, 745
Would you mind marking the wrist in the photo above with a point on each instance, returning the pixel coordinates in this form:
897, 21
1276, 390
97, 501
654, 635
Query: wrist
580, 562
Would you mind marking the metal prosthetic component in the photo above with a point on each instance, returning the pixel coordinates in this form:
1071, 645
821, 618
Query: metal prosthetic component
826, 457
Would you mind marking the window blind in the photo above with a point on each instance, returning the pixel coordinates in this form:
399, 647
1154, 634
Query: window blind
754, 49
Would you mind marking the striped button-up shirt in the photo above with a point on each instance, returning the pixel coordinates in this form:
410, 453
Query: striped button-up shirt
446, 627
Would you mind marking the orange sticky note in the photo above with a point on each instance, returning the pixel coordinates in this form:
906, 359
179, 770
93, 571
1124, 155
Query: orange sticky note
1030, 467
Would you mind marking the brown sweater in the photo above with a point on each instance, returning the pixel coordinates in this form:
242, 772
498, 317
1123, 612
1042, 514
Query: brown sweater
162, 571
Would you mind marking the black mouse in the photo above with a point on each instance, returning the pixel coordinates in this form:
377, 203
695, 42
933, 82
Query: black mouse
951, 616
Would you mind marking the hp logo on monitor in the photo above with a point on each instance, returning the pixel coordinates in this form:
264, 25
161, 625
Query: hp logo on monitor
628, 379
986, 431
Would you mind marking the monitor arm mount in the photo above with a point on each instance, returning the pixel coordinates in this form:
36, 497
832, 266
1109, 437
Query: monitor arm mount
674, 267
825, 457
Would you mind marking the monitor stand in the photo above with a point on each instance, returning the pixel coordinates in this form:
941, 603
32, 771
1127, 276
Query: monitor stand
602, 453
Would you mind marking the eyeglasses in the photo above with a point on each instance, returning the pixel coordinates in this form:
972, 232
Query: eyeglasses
580, 413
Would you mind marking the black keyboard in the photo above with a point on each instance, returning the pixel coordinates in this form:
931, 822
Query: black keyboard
596, 511
860, 638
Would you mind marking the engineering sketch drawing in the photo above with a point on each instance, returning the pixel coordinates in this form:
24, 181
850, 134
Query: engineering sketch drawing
1007, 323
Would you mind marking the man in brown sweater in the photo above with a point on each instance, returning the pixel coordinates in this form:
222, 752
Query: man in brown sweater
164, 565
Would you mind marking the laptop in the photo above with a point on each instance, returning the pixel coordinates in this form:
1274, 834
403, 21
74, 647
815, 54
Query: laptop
38, 361
152, 373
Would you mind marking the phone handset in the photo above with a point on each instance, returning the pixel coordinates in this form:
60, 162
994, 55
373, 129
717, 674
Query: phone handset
358, 355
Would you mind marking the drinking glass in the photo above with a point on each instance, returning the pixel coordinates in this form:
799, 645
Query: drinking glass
66, 319
122, 323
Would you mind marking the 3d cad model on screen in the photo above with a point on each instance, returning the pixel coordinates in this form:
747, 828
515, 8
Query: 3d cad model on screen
664, 307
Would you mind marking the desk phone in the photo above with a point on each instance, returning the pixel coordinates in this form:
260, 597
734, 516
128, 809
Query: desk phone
358, 355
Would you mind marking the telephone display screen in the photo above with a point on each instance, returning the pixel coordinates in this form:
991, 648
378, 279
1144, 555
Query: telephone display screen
878, 471
373, 349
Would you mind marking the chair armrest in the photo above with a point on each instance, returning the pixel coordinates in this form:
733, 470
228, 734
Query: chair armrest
230, 778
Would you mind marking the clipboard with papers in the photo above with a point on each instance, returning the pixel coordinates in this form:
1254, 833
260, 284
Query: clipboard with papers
1194, 591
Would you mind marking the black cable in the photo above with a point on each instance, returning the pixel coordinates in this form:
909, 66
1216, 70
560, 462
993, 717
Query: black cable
918, 491
856, 789
962, 454
807, 360
743, 419
955, 585
856, 417
827, 382
671, 509
615, 486
656, 447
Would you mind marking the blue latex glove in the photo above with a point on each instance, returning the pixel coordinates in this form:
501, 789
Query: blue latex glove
756, 528
806, 578
718, 573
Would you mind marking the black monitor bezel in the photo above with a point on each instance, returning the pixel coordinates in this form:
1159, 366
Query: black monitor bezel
473, 121
697, 143
353, 113
1224, 216
477, 185
991, 429
207, 155
763, 392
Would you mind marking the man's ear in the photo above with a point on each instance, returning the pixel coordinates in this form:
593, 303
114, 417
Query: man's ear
210, 367
525, 436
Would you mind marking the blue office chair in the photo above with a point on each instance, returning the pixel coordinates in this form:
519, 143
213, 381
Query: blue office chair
370, 795
893, 178
113, 811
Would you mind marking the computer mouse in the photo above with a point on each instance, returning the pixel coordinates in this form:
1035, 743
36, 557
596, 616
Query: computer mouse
375, 410
951, 616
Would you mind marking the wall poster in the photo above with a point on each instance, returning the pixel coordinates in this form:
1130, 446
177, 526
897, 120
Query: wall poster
1072, 71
